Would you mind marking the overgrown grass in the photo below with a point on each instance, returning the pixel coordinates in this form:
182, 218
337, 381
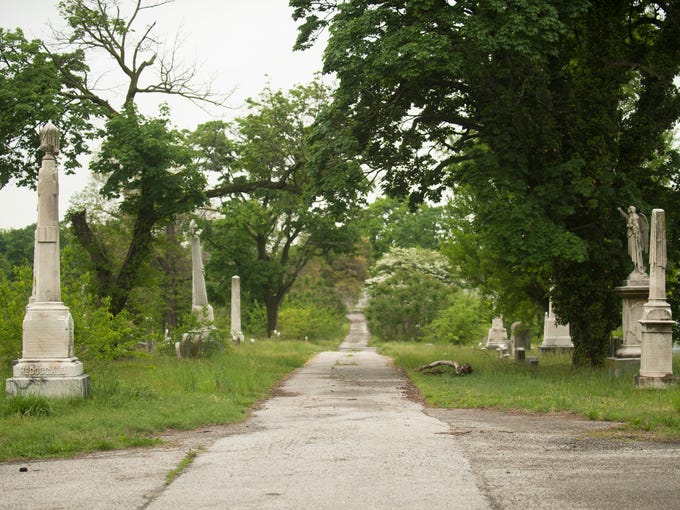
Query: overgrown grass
552, 386
132, 400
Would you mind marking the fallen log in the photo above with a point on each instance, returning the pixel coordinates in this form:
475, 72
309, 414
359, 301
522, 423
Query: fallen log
463, 369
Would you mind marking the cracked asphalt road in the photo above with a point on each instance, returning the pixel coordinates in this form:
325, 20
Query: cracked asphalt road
342, 432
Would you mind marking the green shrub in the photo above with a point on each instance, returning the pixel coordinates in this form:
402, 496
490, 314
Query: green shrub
14, 295
403, 304
254, 320
98, 333
464, 321
301, 321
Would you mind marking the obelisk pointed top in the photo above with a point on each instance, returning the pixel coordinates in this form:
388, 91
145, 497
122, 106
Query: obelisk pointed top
49, 139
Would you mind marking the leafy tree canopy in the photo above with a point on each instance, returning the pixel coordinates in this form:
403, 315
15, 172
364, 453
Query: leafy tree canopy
543, 117
390, 223
275, 219
31, 93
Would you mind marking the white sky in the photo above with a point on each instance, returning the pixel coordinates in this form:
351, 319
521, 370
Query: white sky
238, 44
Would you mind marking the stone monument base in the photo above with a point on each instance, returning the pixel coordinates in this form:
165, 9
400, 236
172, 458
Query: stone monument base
56, 377
496, 346
555, 349
655, 383
53, 387
617, 367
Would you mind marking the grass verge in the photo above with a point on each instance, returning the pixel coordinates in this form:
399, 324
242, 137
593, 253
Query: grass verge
131, 401
552, 386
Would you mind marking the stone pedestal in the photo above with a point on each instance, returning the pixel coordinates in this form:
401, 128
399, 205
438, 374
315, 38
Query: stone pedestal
616, 367
656, 360
48, 366
634, 294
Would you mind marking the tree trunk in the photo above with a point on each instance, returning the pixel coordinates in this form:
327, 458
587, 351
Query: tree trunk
272, 303
138, 252
96, 251
588, 352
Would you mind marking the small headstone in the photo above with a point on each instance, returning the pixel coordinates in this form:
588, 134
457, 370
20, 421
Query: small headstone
521, 336
497, 337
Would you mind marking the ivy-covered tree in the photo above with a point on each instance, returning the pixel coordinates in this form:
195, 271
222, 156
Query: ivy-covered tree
545, 116
151, 168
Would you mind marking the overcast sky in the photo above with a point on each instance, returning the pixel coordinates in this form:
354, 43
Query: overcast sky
238, 44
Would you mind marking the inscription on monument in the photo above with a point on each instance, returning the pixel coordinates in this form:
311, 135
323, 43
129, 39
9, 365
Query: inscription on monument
32, 371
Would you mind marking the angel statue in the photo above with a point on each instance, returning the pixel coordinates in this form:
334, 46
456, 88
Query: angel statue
638, 237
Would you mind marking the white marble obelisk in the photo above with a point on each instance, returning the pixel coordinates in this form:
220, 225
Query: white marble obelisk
236, 333
190, 344
48, 366
656, 358
199, 296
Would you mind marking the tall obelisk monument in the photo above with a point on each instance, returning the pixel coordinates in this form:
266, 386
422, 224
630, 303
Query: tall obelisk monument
48, 366
656, 359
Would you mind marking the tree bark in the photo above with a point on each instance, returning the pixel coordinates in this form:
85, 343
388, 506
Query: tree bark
272, 303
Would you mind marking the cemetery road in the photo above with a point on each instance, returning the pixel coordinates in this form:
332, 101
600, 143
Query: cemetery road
342, 433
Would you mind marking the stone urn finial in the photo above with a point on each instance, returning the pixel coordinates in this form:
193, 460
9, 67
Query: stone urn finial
49, 139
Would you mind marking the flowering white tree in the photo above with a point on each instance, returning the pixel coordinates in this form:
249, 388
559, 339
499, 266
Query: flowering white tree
408, 288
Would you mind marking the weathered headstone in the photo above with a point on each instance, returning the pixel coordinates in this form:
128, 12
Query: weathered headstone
656, 359
190, 344
497, 337
236, 333
521, 336
556, 337
48, 366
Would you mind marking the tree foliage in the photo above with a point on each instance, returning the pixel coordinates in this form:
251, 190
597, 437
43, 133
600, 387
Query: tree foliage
543, 117
390, 223
151, 168
31, 93
144, 161
274, 221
